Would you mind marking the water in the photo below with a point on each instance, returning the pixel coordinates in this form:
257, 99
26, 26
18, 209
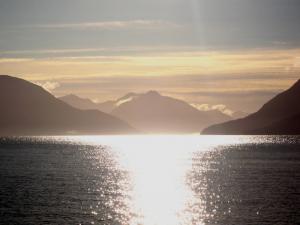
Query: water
150, 180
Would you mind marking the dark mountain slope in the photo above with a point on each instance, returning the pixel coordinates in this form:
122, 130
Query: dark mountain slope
289, 126
27, 109
283, 107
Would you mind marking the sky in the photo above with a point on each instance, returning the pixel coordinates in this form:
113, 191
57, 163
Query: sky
238, 53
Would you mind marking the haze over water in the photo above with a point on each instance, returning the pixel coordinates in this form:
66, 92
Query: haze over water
150, 180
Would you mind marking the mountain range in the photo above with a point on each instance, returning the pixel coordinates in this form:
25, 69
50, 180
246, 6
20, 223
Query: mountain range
28, 109
86, 103
152, 112
281, 115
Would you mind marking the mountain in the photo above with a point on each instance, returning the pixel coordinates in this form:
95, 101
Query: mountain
27, 109
152, 112
85, 103
290, 125
77, 102
278, 116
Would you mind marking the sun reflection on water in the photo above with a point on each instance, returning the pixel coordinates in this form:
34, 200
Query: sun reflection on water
150, 180
158, 166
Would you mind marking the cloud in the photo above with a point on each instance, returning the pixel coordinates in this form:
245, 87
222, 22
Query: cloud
220, 107
124, 101
199, 77
208, 63
15, 60
48, 85
120, 50
223, 109
113, 25
241, 92
297, 62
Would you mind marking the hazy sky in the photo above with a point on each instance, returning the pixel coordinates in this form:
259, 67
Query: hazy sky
235, 52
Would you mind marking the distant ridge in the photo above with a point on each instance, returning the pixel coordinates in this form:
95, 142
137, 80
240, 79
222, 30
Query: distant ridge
281, 115
154, 113
77, 102
27, 109
85, 103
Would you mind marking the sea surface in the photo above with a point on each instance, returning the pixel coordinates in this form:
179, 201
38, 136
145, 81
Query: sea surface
150, 180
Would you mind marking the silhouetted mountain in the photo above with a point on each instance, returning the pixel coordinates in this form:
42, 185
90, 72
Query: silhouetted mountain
27, 109
290, 125
152, 112
77, 102
85, 103
106, 107
109, 106
275, 117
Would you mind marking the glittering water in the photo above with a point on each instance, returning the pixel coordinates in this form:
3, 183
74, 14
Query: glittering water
150, 180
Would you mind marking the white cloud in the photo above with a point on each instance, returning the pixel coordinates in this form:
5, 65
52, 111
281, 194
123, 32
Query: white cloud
124, 101
202, 107
220, 107
48, 85
95, 100
223, 109
15, 60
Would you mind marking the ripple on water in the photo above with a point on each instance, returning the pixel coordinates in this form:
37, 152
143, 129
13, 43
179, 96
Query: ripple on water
150, 180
